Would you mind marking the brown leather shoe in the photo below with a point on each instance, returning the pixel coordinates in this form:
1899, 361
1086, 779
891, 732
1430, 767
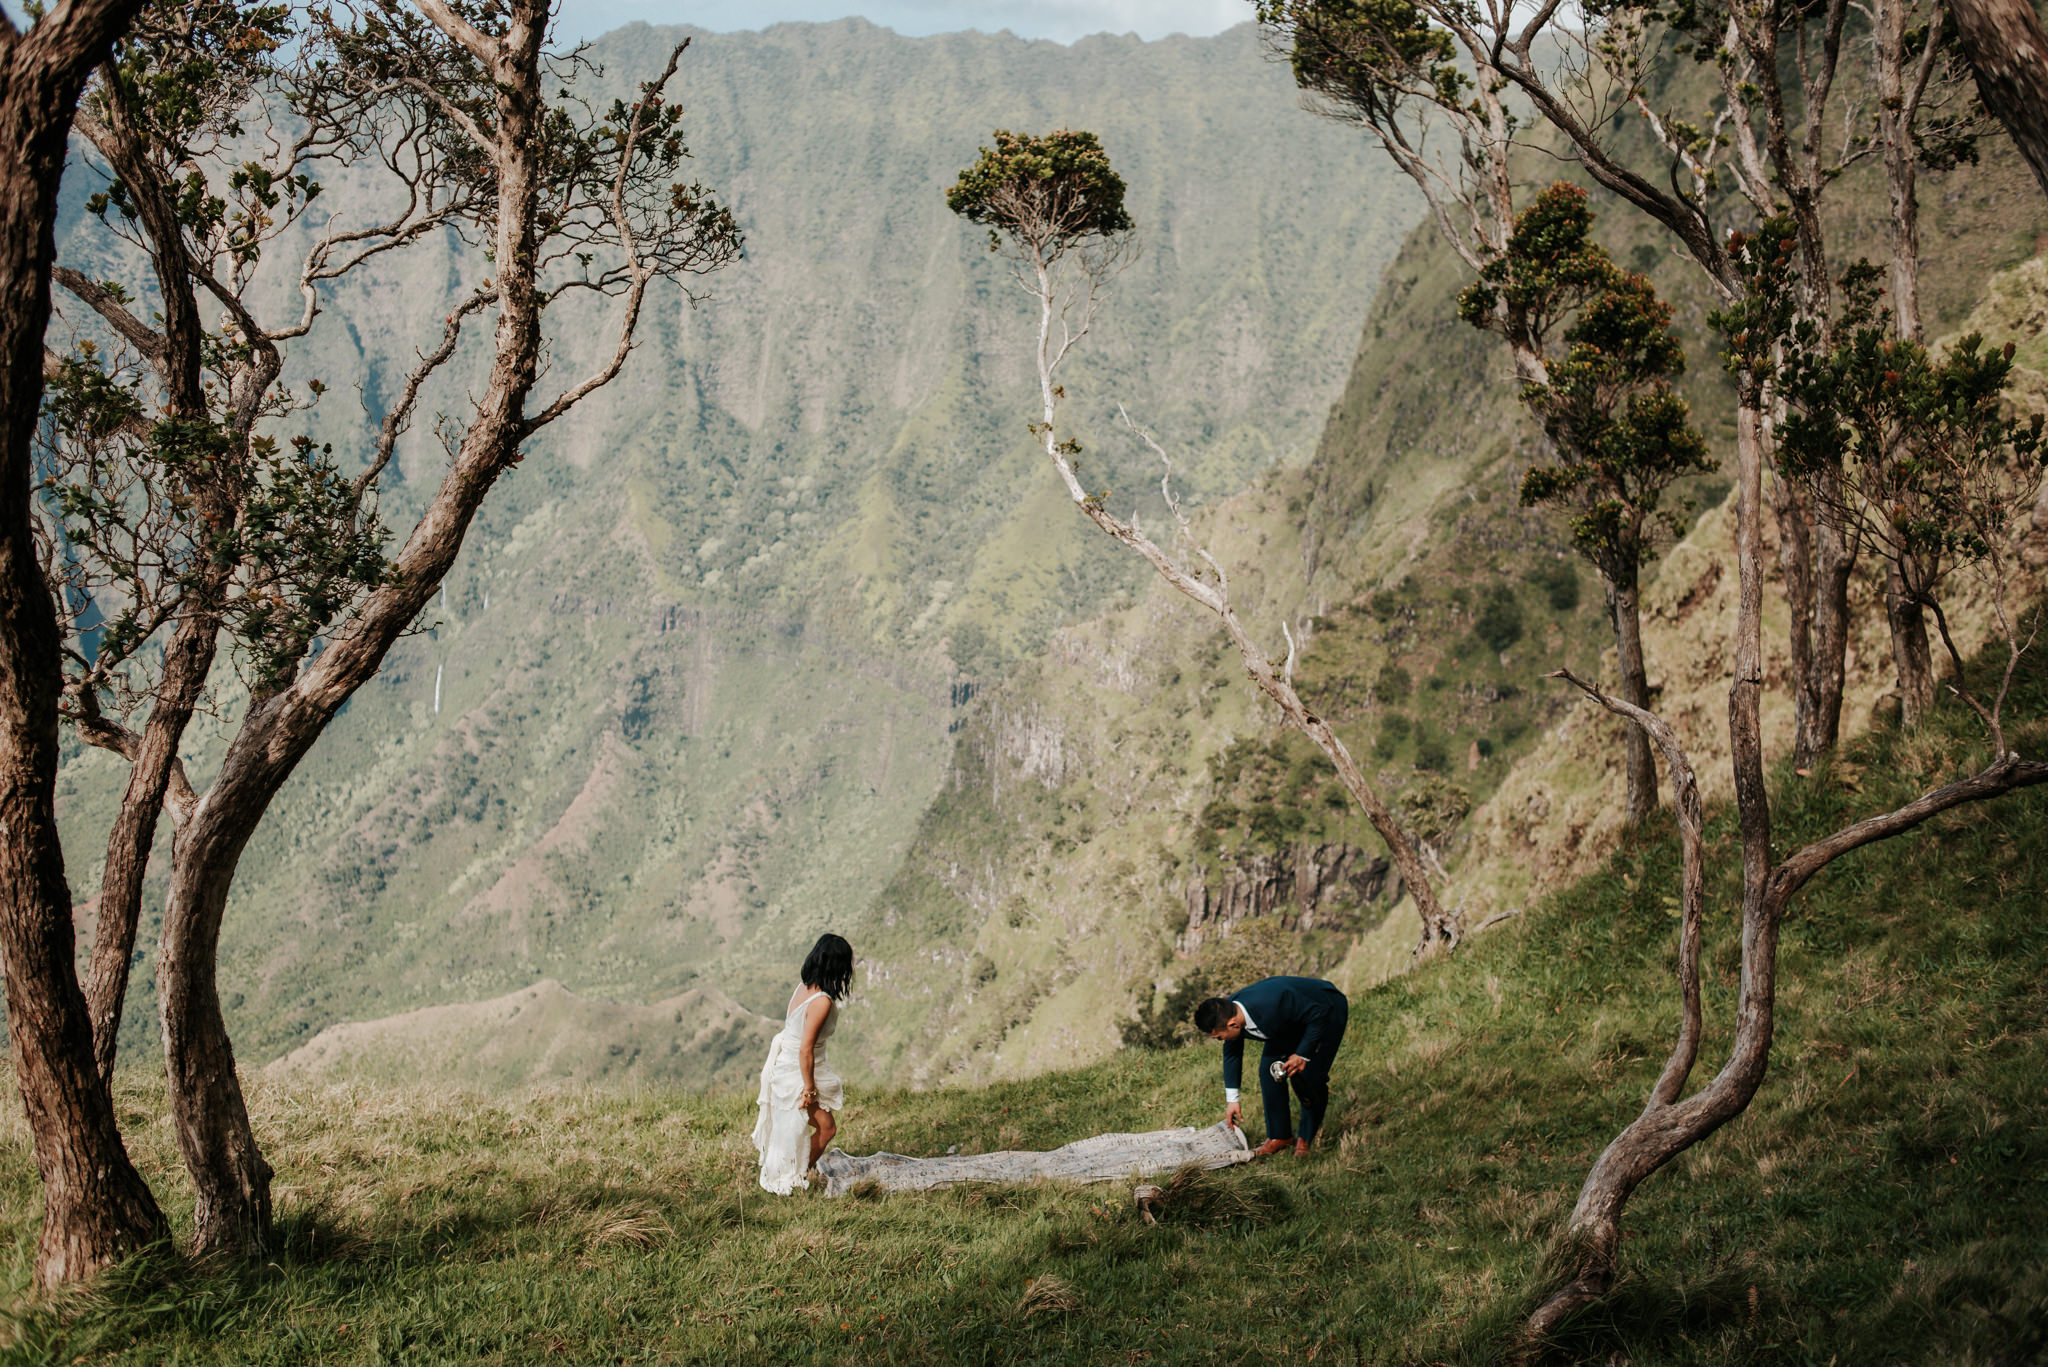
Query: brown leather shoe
1271, 1147
1301, 1148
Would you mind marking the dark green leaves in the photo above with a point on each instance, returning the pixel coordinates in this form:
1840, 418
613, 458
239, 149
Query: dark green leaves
1621, 434
160, 515
1368, 56
1551, 267
1048, 193
1932, 464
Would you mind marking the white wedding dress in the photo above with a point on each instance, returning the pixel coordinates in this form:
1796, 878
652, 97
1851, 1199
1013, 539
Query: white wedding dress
782, 1133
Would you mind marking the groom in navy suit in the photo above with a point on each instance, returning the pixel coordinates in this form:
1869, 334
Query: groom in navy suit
1301, 1022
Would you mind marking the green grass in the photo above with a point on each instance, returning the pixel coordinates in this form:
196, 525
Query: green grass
1885, 1199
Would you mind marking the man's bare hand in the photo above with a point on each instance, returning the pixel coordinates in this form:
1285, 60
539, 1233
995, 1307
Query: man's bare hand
1231, 1112
1295, 1063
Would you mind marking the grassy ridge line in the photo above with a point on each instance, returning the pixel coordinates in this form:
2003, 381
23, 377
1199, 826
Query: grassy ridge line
1883, 1201
542, 1035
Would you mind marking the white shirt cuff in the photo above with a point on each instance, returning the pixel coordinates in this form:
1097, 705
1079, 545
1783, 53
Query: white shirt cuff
1229, 1094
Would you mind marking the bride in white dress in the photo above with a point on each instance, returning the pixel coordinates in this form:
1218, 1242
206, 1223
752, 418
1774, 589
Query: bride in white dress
799, 1090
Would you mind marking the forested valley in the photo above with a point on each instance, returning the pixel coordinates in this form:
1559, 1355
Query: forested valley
1536, 518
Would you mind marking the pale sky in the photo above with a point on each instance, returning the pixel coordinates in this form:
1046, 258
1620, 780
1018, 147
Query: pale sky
1061, 20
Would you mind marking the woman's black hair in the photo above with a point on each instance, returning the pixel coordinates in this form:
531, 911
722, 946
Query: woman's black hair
829, 968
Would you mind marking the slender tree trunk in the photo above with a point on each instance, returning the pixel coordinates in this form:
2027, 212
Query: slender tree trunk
1899, 83
1668, 1126
1817, 566
1624, 609
96, 1207
189, 656
2009, 53
1795, 563
1901, 79
210, 1118
1834, 564
231, 1180
187, 660
1440, 929
1912, 652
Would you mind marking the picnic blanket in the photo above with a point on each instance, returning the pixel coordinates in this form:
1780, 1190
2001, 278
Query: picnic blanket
1099, 1158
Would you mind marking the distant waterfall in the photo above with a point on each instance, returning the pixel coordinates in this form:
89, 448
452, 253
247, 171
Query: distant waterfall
437, 690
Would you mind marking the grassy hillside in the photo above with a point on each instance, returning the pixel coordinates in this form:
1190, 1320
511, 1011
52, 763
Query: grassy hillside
691, 684
539, 1035
1881, 1202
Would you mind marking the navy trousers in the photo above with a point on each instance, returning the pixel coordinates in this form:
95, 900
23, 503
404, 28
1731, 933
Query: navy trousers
1311, 1084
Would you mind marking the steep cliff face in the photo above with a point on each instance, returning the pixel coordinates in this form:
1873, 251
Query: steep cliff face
1305, 887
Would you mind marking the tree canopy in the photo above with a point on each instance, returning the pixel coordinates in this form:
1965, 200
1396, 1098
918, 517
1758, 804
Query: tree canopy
1049, 193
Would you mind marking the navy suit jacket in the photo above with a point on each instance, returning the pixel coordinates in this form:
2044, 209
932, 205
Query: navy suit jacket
1292, 1013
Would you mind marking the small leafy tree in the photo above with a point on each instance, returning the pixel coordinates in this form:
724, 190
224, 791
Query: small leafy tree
1055, 206
1936, 473
1620, 434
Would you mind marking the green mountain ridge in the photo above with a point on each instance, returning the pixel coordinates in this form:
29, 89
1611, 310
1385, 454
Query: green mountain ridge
691, 683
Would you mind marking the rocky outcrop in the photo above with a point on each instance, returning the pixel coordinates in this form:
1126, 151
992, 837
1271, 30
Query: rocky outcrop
1305, 885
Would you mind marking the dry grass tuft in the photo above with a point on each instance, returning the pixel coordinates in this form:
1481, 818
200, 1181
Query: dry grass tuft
635, 1225
1048, 1294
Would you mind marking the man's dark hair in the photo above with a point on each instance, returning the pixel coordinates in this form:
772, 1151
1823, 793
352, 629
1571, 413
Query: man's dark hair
830, 966
1213, 1014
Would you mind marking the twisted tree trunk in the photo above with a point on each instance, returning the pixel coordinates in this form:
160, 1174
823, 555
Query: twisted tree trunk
153, 757
1834, 564
96, 1206
189, 656
1668, 1125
